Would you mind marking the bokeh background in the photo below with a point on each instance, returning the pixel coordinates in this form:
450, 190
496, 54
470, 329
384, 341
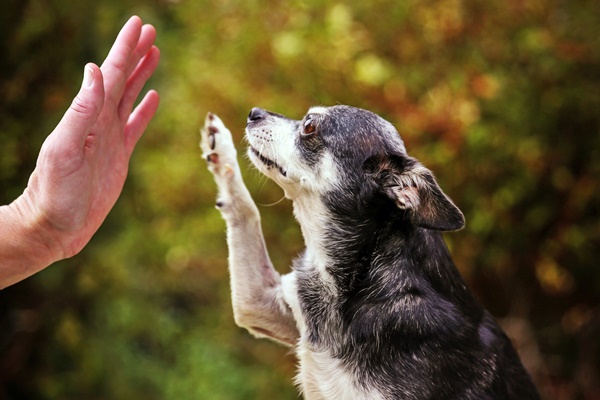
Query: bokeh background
501, 99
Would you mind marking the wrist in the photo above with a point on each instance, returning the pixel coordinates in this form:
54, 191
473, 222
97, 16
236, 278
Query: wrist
26, 238
36, 227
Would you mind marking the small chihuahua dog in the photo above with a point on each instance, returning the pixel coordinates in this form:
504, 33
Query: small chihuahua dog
374, 306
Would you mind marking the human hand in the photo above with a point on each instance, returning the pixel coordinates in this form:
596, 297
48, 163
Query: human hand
82, 166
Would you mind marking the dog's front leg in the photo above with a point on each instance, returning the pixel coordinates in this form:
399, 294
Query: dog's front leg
258, 303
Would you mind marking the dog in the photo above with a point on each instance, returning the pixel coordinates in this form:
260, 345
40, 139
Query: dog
374, 306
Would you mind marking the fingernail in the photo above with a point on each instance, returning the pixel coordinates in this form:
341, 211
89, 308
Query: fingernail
88, 77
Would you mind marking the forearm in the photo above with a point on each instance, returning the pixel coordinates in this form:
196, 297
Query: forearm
24, 250
257, 297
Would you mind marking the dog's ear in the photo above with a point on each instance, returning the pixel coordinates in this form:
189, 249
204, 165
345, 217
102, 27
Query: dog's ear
413, 188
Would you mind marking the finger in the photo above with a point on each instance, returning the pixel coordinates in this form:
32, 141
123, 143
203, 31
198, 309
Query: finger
117, 63
81, 116
145, 43
137, 80
139, 119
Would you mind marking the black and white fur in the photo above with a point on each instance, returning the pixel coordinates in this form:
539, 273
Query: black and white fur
374, 306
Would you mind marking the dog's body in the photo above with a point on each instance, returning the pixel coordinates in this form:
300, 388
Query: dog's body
374, 306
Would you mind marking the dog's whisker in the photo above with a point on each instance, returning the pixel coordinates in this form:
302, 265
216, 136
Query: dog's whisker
272, 204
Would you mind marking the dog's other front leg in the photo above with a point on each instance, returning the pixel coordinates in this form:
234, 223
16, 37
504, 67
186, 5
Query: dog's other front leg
258, 303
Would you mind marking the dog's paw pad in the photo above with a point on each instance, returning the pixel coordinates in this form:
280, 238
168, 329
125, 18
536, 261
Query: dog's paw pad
213, 158
228, 169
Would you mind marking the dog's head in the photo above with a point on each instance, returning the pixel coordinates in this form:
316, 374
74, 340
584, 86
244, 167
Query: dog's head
351, 157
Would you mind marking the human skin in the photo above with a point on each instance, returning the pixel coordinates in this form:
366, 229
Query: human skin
83, 163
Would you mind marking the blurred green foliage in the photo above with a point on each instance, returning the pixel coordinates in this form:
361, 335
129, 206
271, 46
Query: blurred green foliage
500, 98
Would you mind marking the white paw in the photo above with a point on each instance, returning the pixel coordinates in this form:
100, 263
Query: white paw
217, 148
234, 200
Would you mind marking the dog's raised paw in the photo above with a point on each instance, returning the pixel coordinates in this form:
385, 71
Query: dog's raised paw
217, 146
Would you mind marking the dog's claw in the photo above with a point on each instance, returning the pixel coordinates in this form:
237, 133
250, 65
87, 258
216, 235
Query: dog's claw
211, 141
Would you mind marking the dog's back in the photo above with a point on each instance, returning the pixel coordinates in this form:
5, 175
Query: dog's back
408, 328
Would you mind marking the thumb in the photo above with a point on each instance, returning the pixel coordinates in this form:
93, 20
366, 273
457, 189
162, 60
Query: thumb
86, 106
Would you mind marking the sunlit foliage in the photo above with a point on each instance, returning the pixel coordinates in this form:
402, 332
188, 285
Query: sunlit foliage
499, 98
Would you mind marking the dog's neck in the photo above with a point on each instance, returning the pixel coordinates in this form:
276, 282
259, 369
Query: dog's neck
348, 245
337, 246
314, 220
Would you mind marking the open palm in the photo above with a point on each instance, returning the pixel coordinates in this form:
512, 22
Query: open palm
83, 164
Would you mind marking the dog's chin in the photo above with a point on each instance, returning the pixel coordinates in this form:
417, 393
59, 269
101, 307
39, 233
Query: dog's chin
264, 163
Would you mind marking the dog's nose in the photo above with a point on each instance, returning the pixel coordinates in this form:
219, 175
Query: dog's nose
256, 114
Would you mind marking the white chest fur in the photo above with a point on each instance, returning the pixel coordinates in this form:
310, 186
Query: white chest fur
321, 376
324, 377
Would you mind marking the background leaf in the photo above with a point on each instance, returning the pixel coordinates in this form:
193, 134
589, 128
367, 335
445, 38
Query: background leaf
499, 98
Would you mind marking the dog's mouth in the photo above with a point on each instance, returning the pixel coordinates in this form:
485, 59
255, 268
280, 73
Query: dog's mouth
268, 162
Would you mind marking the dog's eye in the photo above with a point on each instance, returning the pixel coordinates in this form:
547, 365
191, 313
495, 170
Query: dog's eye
309, 127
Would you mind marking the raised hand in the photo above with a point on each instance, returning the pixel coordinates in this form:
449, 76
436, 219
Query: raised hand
82, 166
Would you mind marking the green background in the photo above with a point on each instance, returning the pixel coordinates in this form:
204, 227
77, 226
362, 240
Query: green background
501, 99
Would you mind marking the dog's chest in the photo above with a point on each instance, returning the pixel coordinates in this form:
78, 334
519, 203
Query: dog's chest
320, 375
323, 377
